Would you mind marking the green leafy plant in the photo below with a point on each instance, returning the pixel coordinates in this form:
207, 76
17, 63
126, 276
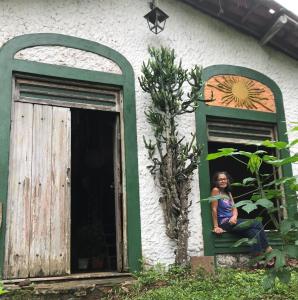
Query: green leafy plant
173, 159
158, 283
266, 189
2, 289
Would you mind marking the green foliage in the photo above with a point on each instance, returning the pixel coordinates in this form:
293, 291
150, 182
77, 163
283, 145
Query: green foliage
2, 289
179, 283
264, 193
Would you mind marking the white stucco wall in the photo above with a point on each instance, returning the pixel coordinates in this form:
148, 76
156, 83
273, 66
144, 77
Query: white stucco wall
197, 39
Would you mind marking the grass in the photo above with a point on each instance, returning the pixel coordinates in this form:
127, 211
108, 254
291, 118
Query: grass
227, 284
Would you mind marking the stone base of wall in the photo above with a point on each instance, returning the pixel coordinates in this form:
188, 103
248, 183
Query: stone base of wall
232, 260
205, 263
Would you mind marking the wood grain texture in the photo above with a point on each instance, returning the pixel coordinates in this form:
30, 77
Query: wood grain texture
60, 200
118, 195
39, 256
38, 220
19, 193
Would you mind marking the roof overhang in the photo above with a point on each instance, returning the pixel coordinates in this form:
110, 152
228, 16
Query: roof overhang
266, 20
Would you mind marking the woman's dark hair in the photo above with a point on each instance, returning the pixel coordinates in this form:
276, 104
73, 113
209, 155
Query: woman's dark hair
215, 180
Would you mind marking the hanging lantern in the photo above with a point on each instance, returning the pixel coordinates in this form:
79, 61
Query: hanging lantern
156, 19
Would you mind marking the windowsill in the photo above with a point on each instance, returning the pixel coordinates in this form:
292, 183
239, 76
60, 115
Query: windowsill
223, 244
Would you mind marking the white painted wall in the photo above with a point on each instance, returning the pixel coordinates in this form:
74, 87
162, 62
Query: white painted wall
119, 24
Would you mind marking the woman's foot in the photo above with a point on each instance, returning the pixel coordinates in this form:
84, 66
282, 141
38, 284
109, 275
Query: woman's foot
271, 263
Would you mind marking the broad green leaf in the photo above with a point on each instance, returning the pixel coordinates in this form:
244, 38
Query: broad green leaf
249, 207
249, 180
269, 281
282, 180
240, 242
237, 184
264, 203
280, 259
272, 209
221, 152
294, 187
242, 202
245, 153
284, 275
292, 251
271, 193
284, 161
255, 197
215, 198
294, 142
254, 163
267, 158
272, 144
2, 292
245, 224
294, 128
266, 175
260, 152
252, 241
285, 226
271, 255
216, 155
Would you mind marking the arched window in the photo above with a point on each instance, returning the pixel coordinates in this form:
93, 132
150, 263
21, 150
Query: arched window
248, 108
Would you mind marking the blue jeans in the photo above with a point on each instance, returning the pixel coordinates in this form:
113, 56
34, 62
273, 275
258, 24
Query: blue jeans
254, 230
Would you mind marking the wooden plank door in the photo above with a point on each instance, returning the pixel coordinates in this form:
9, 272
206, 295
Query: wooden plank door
19, 193
38, 213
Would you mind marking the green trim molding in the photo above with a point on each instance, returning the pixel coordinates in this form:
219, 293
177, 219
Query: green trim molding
212, 243
125, 81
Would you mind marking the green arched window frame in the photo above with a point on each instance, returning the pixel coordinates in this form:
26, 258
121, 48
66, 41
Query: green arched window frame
125, 81
213, 244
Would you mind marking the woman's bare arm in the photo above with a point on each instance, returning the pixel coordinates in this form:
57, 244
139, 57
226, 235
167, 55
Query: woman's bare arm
233, 219
214, 205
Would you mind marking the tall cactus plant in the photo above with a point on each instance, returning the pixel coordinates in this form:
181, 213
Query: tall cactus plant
173, 159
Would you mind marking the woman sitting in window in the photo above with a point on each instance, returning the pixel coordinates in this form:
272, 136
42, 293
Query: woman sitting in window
225, 216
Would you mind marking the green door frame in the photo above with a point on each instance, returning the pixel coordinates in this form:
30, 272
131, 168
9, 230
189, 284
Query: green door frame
212, 243
125, 82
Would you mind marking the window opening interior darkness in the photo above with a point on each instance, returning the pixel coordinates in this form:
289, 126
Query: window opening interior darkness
93, 226
238, 172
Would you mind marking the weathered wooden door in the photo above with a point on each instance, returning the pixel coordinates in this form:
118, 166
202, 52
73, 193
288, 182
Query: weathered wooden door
38, 212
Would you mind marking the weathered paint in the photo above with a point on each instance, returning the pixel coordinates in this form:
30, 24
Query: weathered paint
19, 194
125, 81
60, 199
43, 151
41, 190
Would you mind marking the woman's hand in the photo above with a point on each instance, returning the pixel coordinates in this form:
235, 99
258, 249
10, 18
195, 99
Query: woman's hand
218, 230
233, 220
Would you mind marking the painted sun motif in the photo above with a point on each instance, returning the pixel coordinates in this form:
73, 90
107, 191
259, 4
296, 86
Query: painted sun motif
241, 92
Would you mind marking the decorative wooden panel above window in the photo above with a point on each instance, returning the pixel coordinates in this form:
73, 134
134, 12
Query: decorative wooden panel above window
233, 91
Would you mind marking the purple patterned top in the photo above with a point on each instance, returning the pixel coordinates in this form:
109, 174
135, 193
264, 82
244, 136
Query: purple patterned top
224, 209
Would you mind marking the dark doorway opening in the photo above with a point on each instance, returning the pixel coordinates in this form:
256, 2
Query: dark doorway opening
238, 172
93, 213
